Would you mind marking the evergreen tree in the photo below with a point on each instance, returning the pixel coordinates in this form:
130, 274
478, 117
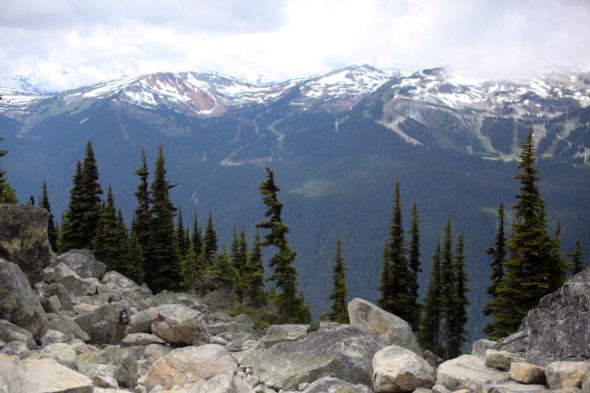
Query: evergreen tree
133, 263
161, 254
191, 274
223, 267
534, 266
70, 236
181, 234
85, 205
196, 238
498, 253
291, 306
106, 241
141, 224
52, 228
210, 241
577, 257
396, 285
253, 277
339, 311
448, 290
415, 269
458, 318
430, 328
239, 258
7, 193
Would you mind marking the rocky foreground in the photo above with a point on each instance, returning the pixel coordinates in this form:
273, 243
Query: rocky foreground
66, 325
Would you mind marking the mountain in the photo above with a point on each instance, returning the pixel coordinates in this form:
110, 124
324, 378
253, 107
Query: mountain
337, 143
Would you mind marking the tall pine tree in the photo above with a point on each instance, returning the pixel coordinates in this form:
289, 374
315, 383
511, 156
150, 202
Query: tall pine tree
142, 217
415, 269
396, 278
291, 306
81, 218
210, 241
577, 257
430, 326
339, 311
162, 257
458, 315
7, 194
498, 254
106, 241
534, 266
52, 229
181, 234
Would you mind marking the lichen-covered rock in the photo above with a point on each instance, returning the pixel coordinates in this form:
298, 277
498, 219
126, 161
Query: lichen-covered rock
23, 239
141, 322
468, 372
514, 387
224, 383
566, 374
41, 376
559, 327
66, 325
58, 290
335, 385
190, 365
75, 285
83, 263
180, 325
103, 325
527, 373
397, 369
280, 333
18, 303
62, 353
372, 319
143, 339
480, 347
124, 365
344, 353
501, 360
136, 296
10, 332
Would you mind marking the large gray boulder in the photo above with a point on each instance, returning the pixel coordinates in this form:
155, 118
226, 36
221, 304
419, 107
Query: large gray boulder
138, 297
103, 324
124, 366
40, 376
83, 263
397, 369
335, 385
468, 372
190, 367
566, 374
371, 319
10, 332
345, 353
66, 325
558, 328
180, 325
280, 333
18, 303
23, 239
62, 353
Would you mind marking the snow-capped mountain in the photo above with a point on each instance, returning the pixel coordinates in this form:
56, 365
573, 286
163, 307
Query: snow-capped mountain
428, 107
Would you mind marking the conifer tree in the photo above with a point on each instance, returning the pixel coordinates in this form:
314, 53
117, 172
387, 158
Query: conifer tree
85, 205
52, 228
161, 254
534, 266
191, 274
339, 310
498, 254
291, 306
458, 318
430, 327
396, 285
253, 277
70, 236
415, 269
141, 224
106, 241
577, 257
223, 267
131, 265
196, 238
239, 258
7, 193
448, 290
210, 241
181, 234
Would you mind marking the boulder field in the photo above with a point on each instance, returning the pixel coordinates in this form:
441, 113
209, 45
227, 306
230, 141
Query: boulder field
68, 325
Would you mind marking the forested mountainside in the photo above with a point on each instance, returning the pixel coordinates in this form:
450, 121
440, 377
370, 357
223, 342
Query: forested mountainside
336, 142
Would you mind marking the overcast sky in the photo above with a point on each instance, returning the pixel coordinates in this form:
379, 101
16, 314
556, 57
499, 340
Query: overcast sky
61, 44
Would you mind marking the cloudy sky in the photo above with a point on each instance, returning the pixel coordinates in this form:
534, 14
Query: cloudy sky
60, 44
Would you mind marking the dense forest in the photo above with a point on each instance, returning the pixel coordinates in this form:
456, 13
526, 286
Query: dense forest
158, 248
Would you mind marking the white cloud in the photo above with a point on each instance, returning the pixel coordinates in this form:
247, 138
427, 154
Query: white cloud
67, 43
